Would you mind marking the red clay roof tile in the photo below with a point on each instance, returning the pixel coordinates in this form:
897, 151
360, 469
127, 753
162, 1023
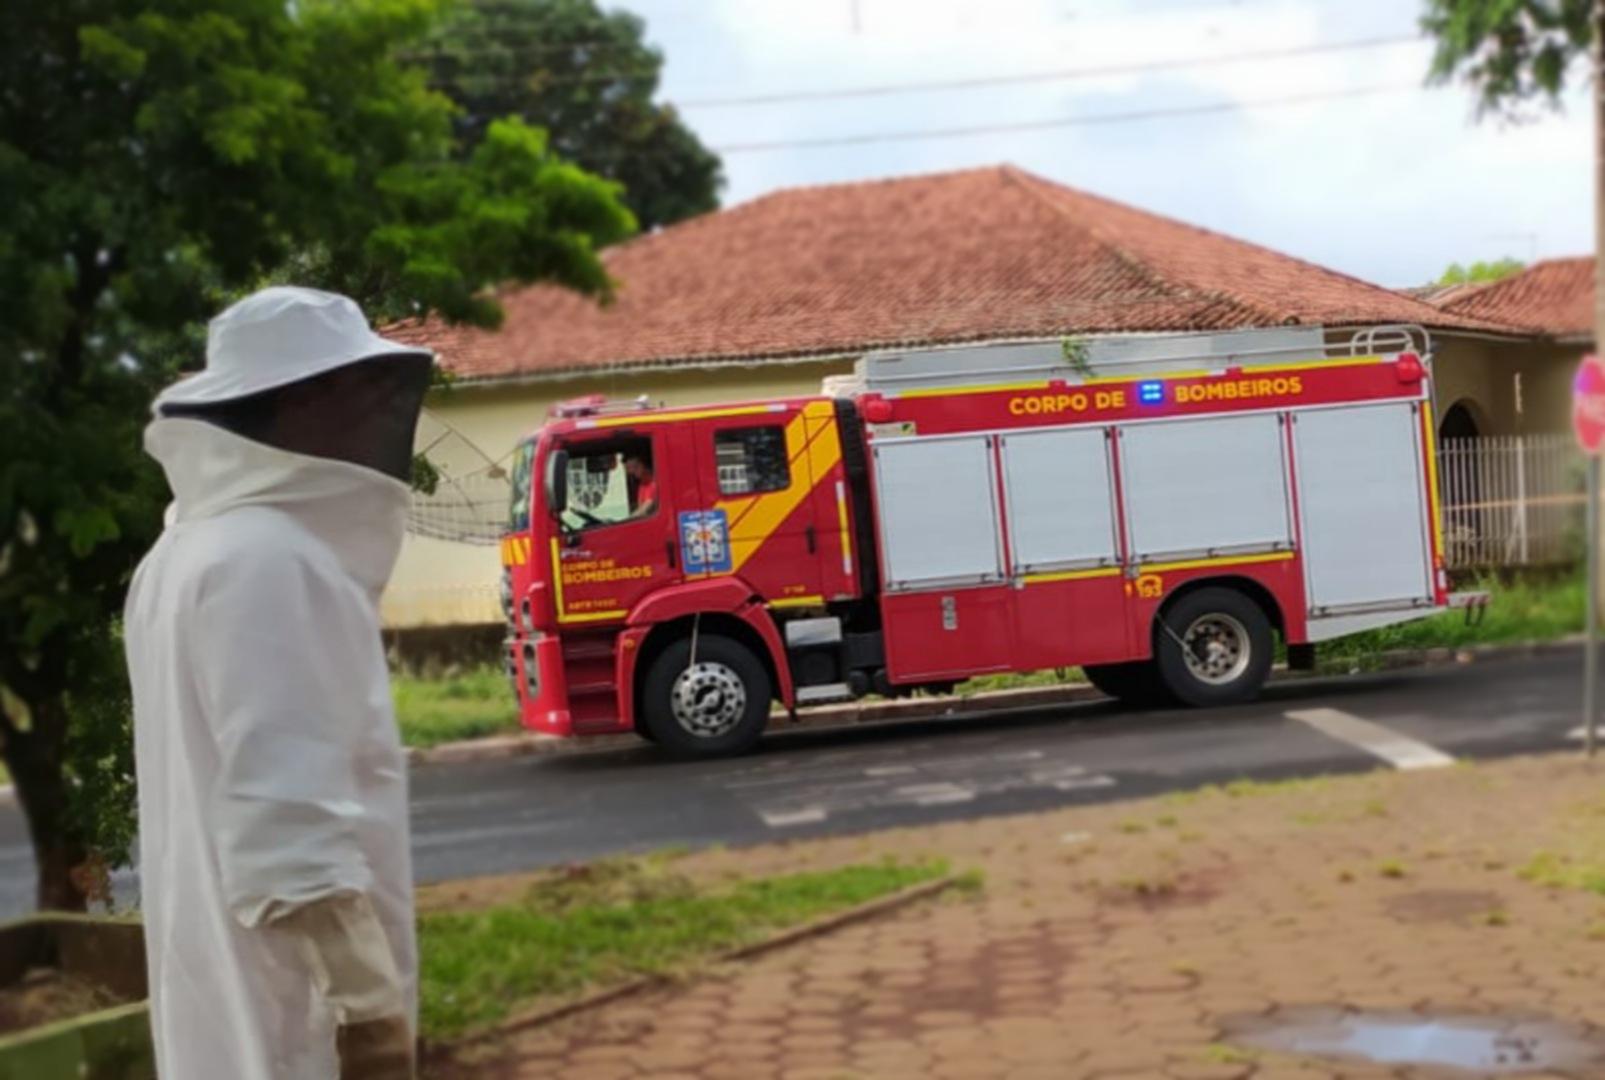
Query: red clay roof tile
1554, 296
983, 254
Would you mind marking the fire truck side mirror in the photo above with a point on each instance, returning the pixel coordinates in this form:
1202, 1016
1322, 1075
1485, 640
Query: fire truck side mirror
557, 482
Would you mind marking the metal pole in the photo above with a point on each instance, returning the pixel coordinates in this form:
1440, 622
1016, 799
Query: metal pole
1598, 87
1590, 665
1597, 57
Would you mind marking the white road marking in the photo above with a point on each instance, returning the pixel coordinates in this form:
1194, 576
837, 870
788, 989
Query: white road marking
935, 794
1398, 750
780, 819
1080, 782
918, 776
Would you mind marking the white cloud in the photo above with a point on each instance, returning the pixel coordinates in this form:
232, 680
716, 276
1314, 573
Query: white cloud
1389, 187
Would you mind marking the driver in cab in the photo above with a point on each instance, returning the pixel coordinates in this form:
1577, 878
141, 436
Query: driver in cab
639, 470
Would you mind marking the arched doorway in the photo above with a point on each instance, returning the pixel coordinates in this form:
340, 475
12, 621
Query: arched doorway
1460, 481
1458, 422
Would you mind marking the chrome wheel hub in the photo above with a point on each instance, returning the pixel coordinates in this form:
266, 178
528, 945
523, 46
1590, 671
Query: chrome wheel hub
1216, 648
708, 699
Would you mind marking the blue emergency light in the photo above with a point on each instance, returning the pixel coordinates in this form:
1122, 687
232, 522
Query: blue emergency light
1151, 393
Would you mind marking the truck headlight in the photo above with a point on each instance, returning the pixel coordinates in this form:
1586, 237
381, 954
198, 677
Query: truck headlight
532, 675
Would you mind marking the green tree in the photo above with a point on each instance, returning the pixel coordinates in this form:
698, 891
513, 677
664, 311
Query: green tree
586, 77
1479, 272
157, 159
1511, 51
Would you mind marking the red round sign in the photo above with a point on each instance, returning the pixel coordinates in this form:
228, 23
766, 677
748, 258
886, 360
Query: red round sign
1588, 404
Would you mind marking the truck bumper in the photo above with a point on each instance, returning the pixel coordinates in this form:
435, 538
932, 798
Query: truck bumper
542, 689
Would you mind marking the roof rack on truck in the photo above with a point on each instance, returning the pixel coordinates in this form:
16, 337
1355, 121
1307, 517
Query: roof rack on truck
1074, 360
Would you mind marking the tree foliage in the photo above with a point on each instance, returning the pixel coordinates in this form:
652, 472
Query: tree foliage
1512, 51
1478, 272
588, 78
157, 159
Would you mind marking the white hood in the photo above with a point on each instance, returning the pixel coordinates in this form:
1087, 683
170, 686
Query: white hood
359, 513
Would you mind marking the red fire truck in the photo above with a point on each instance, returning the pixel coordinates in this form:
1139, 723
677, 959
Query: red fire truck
1157, 510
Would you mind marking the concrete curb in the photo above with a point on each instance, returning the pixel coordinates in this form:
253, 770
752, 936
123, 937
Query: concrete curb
870, 909
500, 747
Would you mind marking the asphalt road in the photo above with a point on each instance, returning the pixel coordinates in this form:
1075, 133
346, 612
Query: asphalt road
496, 817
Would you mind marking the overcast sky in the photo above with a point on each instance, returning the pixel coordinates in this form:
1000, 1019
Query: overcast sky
1391, 186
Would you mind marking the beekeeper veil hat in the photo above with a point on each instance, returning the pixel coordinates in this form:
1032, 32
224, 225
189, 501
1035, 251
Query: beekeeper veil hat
300, 370
276, 337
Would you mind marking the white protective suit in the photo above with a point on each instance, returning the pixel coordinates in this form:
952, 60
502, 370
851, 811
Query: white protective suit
270, 772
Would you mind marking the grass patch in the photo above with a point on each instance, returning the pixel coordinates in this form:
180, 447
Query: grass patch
982, 684
1247, 788
466, 705
1523, 608
1554, 871
611, 921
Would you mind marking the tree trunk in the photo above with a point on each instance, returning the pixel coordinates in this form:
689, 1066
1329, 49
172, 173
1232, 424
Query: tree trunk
35, 760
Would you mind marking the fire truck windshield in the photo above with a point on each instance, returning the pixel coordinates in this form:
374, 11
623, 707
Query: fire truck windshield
518, 511
608, 481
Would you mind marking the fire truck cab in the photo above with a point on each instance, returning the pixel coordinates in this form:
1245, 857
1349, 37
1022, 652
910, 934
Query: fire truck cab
1156, 510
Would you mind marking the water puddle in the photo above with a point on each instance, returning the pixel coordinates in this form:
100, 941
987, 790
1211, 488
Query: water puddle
1481, 1045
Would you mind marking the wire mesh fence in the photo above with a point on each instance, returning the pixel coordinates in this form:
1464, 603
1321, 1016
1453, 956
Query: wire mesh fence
466, 510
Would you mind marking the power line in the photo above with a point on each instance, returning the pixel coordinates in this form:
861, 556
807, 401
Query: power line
1042, 76
888, 89
1067, 121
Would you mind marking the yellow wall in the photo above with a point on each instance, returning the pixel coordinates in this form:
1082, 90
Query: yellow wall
1484, 373
439, 583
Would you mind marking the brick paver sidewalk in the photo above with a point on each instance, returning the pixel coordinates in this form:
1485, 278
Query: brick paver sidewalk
1118, 940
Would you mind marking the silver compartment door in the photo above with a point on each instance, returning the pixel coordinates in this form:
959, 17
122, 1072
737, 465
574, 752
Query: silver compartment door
1060, 499
1362, 501
938, 512
1211, 485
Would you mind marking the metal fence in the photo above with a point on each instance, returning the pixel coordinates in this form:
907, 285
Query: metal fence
1511, 501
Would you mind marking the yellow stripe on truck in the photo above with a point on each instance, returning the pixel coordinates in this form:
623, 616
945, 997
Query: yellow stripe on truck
810, 462
1432, 480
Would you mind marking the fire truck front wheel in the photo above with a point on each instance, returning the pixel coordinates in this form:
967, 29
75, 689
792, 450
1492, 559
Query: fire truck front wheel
1213, 647
712, 704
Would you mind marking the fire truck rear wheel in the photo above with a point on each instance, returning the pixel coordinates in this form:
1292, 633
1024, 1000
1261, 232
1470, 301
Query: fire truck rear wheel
714, 704
1213, 647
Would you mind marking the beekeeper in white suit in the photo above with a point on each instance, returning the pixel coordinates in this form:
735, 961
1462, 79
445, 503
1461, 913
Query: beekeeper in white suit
277, 885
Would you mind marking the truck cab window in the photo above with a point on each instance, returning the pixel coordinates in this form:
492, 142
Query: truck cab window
751, 460
609, 482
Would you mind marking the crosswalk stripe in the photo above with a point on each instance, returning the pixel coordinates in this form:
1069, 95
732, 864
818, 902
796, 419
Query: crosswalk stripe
1398, 750
780, 819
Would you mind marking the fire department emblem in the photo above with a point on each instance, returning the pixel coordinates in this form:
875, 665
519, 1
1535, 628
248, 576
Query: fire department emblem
705, 541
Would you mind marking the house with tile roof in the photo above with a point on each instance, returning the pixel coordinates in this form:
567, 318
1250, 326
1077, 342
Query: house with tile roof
1518, 382
769, 297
